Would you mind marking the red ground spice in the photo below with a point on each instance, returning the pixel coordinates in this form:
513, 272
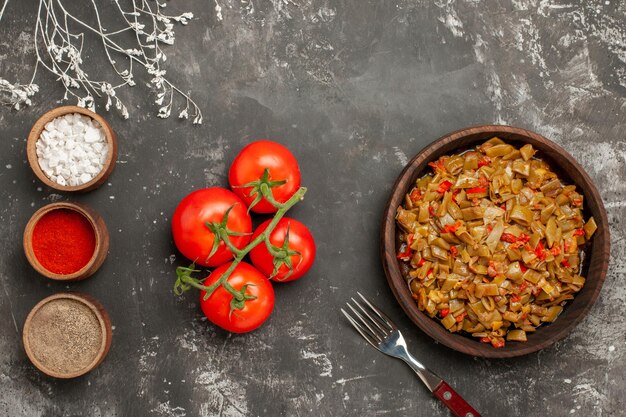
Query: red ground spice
63, 241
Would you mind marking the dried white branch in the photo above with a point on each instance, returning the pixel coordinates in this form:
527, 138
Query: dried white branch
14, 94
4, 6
59, 41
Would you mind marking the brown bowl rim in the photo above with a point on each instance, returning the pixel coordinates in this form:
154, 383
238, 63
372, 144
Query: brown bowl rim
101, 238
38, 128
465, 344
105, 326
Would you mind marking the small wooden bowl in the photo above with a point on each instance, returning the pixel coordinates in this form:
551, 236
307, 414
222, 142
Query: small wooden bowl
98, 311
100, 251
594, 268
38, 128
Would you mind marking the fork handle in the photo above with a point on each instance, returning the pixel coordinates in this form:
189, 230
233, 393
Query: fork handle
454, 402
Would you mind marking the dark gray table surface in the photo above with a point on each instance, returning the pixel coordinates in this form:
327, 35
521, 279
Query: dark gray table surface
354, 88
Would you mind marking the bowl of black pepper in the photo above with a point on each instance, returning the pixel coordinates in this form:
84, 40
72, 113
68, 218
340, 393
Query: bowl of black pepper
67, 335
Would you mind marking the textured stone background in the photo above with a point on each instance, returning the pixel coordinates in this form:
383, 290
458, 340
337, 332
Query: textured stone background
355, 88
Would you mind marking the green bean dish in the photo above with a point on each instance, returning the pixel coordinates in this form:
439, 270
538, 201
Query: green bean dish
492, 240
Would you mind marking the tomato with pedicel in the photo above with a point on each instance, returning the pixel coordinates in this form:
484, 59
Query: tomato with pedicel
250, 165
219, 309
192, 236
300, 240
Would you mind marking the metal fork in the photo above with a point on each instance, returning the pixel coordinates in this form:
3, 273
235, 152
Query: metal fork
380, 332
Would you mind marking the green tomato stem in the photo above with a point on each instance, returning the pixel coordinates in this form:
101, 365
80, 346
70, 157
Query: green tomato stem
239, 254
270, 247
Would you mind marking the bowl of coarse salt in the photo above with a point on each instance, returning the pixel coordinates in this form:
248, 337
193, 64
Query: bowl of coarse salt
72, 149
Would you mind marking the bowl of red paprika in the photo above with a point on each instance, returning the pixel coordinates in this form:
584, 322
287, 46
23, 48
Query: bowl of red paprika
66, 241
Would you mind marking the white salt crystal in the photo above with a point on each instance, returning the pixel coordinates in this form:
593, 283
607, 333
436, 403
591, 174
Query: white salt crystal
63, 127
43, 164
91, 135
78, 153
78, 129
72, 149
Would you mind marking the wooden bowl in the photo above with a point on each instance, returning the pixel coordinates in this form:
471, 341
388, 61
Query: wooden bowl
38, 128
101, 234
40, 320
594, 267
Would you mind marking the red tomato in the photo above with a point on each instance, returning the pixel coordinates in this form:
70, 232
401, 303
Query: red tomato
250, 164
217, 307
300, 240
191, 235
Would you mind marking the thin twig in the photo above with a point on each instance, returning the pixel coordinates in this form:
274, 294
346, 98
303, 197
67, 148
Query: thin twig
59, 49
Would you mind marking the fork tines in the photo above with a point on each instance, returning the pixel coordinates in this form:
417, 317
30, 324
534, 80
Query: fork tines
369, 321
